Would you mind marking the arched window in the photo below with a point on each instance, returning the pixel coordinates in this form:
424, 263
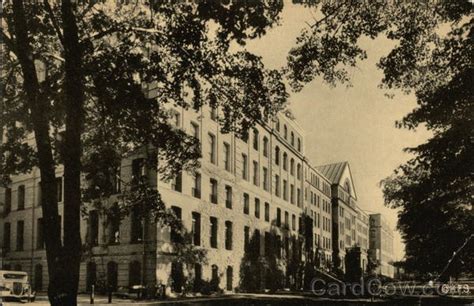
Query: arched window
112, 275
255, 139
91, 275
229, 276
298, 171
277, 125
265, 146
285, 131
277, 155
292, 139
38, 283
292, 166
299, 144
134, 273
285, 161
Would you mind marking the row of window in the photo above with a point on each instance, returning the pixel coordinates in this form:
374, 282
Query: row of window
285, 135
326, 242
245, 164
176, 185
21, 196
294, 141
113, 230
228, 231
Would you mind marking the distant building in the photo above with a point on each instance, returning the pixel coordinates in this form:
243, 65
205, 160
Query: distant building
349, 222
381, 245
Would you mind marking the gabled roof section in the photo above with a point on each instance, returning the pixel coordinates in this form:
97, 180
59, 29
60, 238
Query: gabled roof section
333, 172
338, 173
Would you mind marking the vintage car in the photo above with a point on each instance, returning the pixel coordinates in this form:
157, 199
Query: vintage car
15, 285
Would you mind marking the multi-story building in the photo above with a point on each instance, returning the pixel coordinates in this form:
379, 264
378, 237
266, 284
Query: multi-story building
318, 206
362, 237
244, 188
381, 245
344, 210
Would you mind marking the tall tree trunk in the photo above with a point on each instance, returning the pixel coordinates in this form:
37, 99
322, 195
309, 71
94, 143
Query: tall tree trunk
63, 262
39, 118
74, 93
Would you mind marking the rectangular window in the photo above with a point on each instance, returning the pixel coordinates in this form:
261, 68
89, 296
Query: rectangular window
177, 182
265, 146
298, 196
212, 148
265, 179
175, 236
138, 171
20, 231
228, 235
6, 236
278, 221
277, 185
292, 194
116, 181
293, 222
8, 200
267, 212
136, 226
255, 173
213, 232
246, 238
287, 220
285, 190
228, 197
93, 228
213, 113
227, 156
257, 208
39, 234
246, 203
213, 195
245, 167
267, 243
255, 139
177, 119
196, 190
195, 130
257, 241
196, 228
21, 197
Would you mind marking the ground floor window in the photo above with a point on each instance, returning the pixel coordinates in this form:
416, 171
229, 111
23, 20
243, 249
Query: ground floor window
91, 275
177, 276
134, 273
230, 272
112, 275
38, 281
197, 277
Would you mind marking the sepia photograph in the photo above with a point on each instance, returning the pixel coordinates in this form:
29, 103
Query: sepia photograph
237, 152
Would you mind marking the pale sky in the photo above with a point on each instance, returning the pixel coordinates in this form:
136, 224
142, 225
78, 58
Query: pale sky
355, 124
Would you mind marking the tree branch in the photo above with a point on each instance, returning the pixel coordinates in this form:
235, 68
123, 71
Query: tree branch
8, 41
54, 21
317, 23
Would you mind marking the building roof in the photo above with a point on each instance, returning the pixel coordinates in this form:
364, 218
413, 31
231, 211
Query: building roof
333, 172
